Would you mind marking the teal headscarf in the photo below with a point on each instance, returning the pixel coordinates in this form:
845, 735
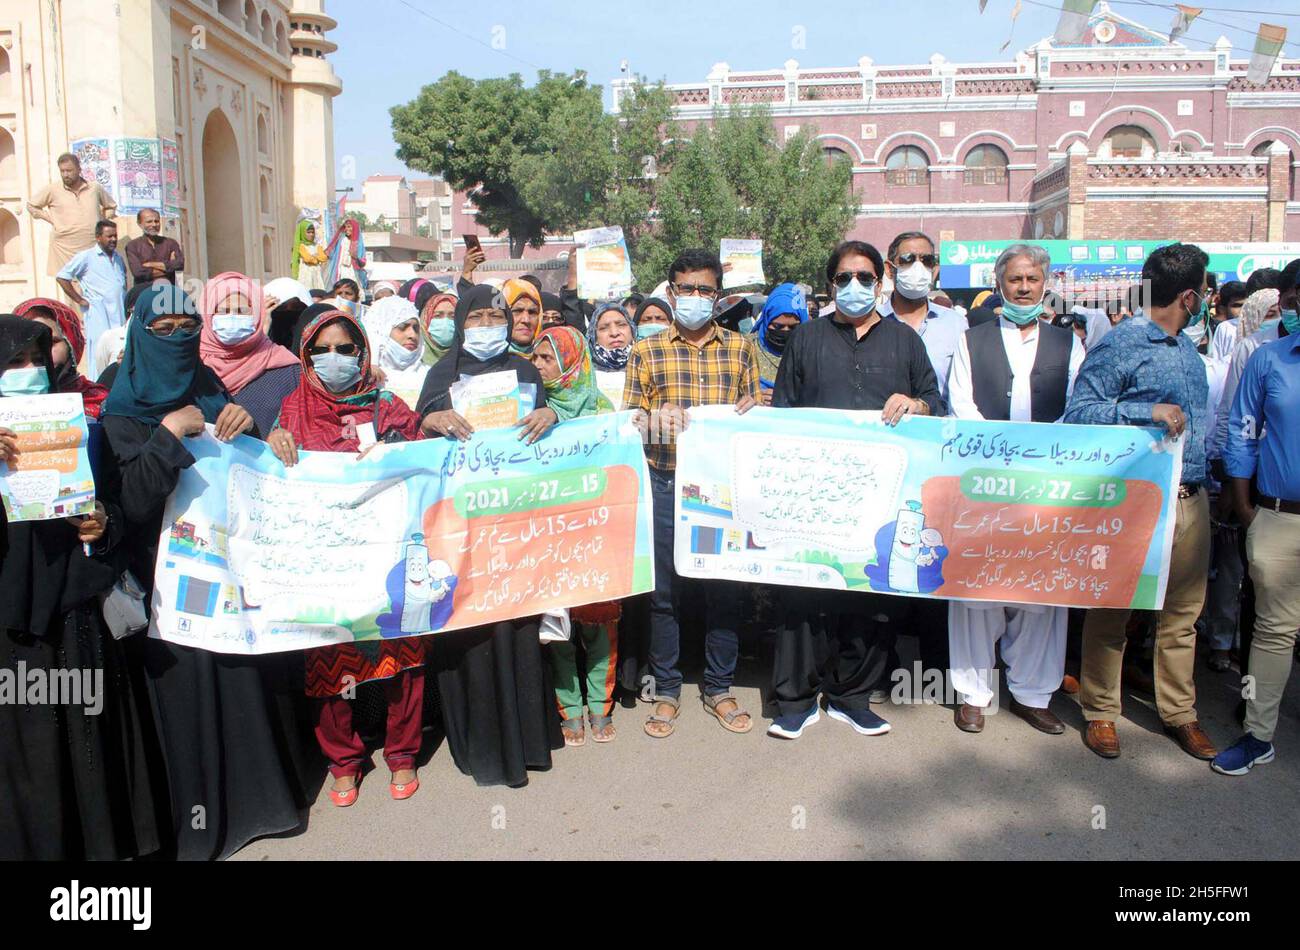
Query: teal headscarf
162, 373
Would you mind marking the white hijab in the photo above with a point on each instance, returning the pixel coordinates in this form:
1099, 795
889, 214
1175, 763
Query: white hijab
380, 319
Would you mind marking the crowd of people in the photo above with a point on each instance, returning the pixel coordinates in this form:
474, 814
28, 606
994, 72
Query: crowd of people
193, 754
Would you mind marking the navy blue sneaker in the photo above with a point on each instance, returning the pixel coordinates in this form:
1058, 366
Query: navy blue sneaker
863, 721
792, 726
1242, 756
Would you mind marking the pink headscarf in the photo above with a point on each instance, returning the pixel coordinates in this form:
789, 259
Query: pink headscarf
240, 364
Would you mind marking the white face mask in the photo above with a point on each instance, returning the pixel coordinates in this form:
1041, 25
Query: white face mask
232, 328
400, 356
913, 281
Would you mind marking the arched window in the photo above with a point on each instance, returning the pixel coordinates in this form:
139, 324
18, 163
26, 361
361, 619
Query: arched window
263, 138
8, 160
268, 255
230, 10
281, 39
11, 249
1261, 150
250, 18
986, 165
1128, 141
265, 190
268, 29
907, 165
5, 74
833, 155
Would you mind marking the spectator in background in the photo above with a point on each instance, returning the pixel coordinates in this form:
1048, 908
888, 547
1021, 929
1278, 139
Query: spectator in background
151, 256
101, 276
72, 208
308, 258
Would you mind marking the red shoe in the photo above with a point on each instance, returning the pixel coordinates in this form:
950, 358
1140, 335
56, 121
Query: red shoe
346, 797
402, 792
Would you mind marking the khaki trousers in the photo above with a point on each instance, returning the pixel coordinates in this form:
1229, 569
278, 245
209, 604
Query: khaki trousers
1175, 653
1273, 549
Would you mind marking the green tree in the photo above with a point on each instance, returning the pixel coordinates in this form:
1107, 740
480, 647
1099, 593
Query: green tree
512, 147
735, 180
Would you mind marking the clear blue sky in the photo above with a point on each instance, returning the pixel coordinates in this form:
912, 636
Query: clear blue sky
388, 49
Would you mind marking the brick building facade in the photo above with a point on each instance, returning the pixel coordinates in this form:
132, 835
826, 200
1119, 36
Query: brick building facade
1124, 135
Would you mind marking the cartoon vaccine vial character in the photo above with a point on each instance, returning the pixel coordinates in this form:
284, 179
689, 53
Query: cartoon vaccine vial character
906, 548
418, 594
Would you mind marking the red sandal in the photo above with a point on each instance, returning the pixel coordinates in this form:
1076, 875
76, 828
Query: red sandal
404, 791
346, 797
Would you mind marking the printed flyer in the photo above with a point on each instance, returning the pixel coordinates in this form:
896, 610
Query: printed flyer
604, 268
742, 263
52, 476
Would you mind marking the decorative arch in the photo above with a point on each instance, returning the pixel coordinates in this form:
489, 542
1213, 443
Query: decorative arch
281, 39
8, 158
6, 75
1060, 145
1273, 132
885, 147
250, 18
11, 245
1101, 121
841, 140
264, 193
959, 150
263, 136
268, 29
223, 204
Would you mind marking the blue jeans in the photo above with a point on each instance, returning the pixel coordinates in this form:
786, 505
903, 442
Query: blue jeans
722, 600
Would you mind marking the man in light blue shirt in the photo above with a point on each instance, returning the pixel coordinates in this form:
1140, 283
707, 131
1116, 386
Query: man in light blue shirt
913, 266
101, 274
1147, 372
1264, 443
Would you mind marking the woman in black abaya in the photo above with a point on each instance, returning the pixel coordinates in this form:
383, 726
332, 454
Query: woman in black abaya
228, 752
73, 773
496, 695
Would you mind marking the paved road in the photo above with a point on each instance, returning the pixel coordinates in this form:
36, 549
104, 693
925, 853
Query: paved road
923, 791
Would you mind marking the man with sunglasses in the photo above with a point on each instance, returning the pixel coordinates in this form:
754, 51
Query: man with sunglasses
835, 642
912, 266
1020, 368
1146, 372
694, 362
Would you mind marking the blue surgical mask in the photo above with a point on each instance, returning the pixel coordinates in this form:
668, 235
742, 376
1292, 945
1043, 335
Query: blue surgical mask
483, 343
1291, 320
646, 330
854, 300
1199, 316
1021, 314
441, 330
746, 325
25, 381
232, 328
336, 371
693, 312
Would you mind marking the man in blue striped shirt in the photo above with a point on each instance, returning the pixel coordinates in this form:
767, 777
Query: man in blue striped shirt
1147, 372
1264, 443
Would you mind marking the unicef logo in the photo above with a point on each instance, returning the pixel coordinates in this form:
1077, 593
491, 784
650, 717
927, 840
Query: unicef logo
960, 254
250, 637
754, 568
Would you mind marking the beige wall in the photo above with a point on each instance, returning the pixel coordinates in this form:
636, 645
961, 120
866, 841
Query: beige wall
162, 68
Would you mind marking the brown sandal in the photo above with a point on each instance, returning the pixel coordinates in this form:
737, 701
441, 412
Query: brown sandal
656, 718
728, 719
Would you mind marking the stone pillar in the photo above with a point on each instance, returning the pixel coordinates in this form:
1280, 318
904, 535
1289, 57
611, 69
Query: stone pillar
314, 86
1279, 189
1076, 205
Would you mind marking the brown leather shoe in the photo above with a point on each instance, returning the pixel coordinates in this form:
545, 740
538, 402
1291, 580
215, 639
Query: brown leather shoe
1044, 720
1100, 737
968, 718
1193, 740
1069, 684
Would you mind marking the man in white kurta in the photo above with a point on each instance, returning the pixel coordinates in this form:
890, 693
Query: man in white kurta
1032, 636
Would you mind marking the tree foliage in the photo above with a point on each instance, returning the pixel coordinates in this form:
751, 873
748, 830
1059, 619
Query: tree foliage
549, 159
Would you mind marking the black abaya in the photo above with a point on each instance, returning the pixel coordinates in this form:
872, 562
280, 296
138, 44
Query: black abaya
229, 751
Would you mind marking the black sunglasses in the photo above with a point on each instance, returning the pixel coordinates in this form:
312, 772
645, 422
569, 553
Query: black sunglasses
907, 260
343, 349
865, 278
